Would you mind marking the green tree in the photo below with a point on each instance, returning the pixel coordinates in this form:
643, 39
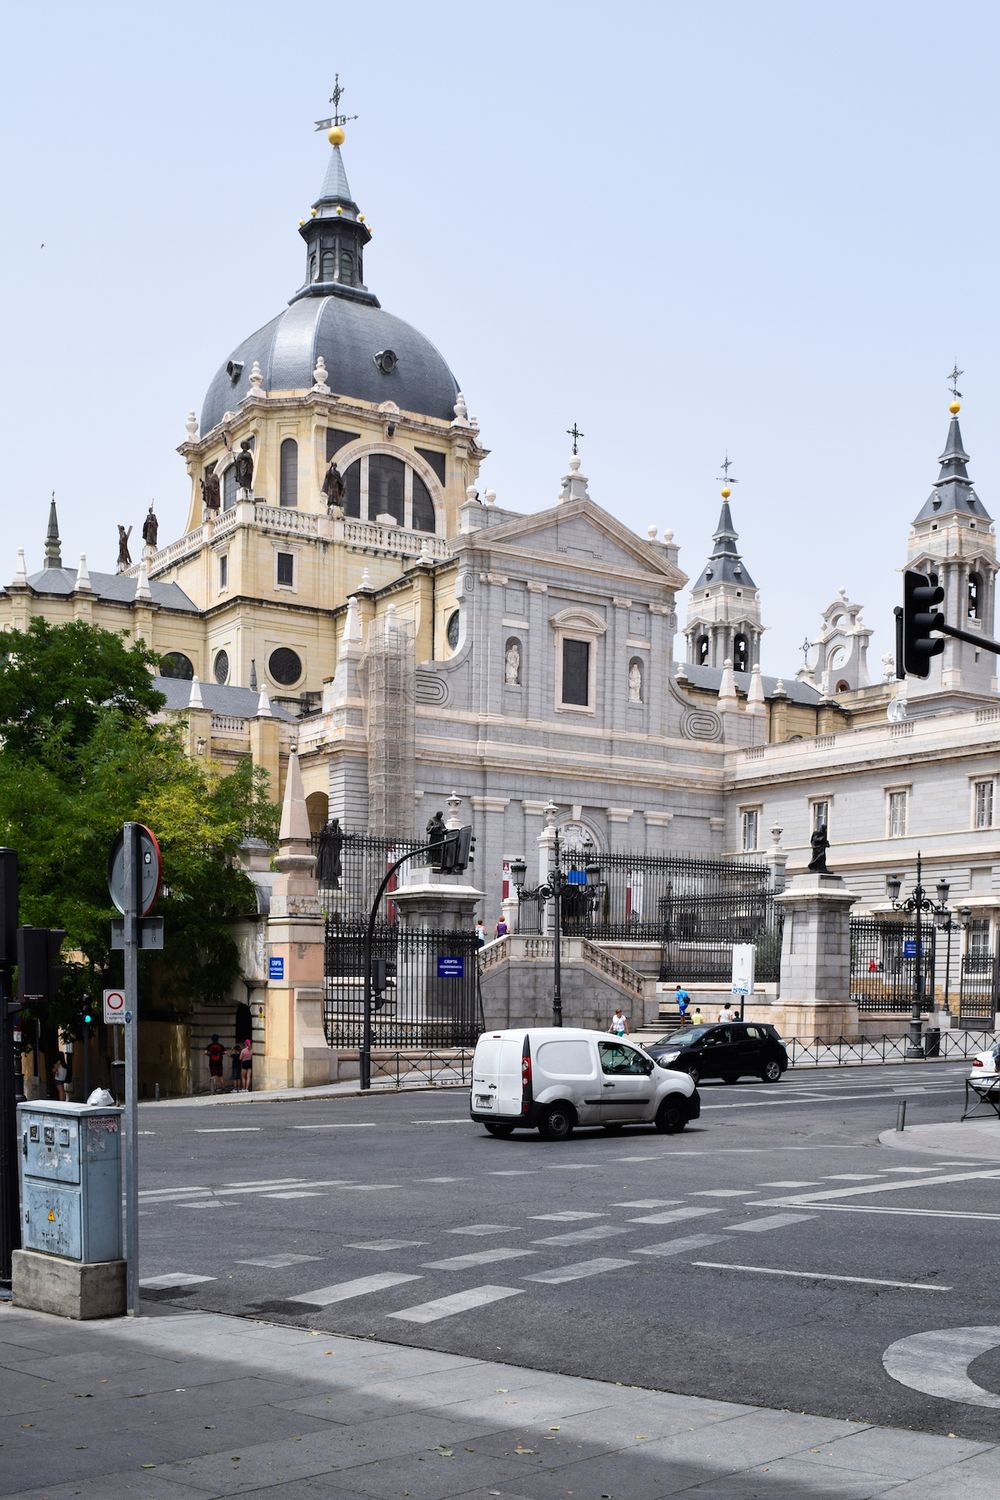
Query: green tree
78, 760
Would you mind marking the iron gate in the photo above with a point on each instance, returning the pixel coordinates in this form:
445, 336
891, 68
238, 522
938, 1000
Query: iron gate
978, 983
431, 997
882, 976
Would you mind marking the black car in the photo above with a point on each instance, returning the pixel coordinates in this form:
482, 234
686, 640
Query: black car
728, 1051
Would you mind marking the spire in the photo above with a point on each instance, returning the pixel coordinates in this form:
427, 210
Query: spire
952, 492
725, 565
53, 553
335, 231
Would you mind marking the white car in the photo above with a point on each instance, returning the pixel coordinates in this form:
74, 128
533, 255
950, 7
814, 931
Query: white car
984, 1075
553, 1078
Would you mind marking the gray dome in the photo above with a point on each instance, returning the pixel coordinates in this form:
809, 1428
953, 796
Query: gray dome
348, 334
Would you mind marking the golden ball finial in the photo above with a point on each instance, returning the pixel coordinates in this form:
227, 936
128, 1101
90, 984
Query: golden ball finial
726, 492
335, 135
955, 408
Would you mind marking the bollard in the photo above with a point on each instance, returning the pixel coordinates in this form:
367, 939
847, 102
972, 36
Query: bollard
901, 1115
156, 1092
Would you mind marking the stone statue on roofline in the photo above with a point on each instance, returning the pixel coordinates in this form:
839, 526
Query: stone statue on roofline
150, 527
124, 556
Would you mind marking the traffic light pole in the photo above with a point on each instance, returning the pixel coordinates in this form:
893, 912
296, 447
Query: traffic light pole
10, 1218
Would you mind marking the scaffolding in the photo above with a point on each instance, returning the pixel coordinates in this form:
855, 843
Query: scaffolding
390, 725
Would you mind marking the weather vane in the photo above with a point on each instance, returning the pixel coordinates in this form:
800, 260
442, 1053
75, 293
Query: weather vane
953, 375
336, 118
575, 433
725, 466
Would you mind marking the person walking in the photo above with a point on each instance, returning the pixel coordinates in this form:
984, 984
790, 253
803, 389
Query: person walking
215, 1052
727, 1013
60, 1073
246, 1065
481, 933
683, 1001
501, 928
619, 1023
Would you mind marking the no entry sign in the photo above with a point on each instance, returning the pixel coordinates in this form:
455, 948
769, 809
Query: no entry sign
114, 1007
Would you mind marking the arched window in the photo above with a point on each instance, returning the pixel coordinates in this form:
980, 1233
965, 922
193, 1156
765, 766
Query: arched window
176, 664
741, 654
843, 686
975, 596
386, 481
701, 651
347, 267
423, 506
288, 489
328, 265
312, 267
229, 488
352, 489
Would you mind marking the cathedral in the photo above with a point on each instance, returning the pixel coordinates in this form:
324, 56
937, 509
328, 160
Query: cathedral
345, 587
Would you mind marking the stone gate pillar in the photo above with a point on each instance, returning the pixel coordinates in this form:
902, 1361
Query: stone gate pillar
815, 995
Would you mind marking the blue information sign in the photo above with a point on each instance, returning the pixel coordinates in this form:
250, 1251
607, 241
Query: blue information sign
276, 968
909, 947
451, 968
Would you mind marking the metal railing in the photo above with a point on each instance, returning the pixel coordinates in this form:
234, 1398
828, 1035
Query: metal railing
427, 1069
828, 1052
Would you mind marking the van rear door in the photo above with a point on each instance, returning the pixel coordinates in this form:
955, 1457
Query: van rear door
496, 1073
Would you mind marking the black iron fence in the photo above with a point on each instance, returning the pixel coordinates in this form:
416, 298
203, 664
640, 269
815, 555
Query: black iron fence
350, 870
883, 963
431, 998
979, 993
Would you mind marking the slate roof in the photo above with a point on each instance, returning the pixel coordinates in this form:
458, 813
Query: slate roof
725, 564
709, 678
240, 702
117, 588
952, 492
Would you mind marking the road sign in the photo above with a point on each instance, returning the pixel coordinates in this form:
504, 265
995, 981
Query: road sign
744, 957
114, 1007
276, 968
150, 868
909, 947
451, 968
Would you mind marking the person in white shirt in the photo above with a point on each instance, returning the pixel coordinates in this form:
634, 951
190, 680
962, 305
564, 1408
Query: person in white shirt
619, 1023
727, 1013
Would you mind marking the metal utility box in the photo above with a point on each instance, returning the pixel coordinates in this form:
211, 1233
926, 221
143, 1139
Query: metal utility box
71, 1179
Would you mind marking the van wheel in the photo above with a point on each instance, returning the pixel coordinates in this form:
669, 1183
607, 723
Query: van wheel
496, 1129
670, 1117
772, 1071
557, 1123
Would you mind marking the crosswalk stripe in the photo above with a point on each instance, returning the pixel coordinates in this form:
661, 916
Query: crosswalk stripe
680, 1245
792, 1182
278, 1262
580, 1236
722, 1192
770, 1221
302, 1193
385, 1245
343, 1291
672, 1215
475, 1258
580, 1269
482, 1229
446, 1307
652, 1202
368, 1187
567, 1216
172, 1278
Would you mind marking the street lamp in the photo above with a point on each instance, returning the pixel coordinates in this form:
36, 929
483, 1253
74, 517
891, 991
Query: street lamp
552, 890
949, 925
918, 903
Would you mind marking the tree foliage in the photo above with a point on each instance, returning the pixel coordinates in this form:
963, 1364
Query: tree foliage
80, 757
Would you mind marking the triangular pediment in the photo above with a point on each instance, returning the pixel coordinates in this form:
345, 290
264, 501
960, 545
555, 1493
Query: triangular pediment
579, 533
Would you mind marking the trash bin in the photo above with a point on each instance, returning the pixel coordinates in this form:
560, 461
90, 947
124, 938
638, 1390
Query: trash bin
932, 1041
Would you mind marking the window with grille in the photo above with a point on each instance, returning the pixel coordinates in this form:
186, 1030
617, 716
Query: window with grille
983, 804
749, 826
897, 810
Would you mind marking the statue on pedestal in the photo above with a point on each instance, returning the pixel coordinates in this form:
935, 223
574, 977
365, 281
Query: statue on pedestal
328, 861
820, 844
150, 528
436, 832
211, 496
333, 485
124, 556
243, 463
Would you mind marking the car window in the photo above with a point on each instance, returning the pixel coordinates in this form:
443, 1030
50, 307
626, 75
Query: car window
717, 1035
753, 1032
617, 1058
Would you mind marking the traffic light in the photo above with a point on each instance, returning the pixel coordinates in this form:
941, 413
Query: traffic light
920, 617
457, 850
8, 906
39, 972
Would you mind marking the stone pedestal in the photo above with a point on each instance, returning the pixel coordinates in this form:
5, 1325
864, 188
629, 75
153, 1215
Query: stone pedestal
434, 902
815, 994
68, 1288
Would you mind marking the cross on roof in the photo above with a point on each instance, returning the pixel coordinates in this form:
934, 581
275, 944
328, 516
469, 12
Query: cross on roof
336, 118
575, 433
725, 466
953, 375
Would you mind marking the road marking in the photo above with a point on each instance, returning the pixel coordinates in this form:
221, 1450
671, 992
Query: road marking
937, 1363
172, 1278
225, 1129
343, 1291
772, 1221
873, 1208
673, 1215
682, 1244
580, 1269
203, 1203
568, 1166
890, 1187
476, 1258
278, 1262
483, 1229
813, 1098
152, 1196
649, 1203
638, 1158
446, 1307
464, 1121
921, 1171
515, 1172
302, 1193
277, 1187
341, 1125
723, 1192
567, 1216
908, 1286
264, 1182
580, 1236
385, 1245
851, 1176
367, 1187
440, 1179
793, 1183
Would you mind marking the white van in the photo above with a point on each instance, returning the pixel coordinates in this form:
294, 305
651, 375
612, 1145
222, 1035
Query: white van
554, 1078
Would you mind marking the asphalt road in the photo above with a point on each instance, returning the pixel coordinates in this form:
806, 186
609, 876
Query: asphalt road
770, 1255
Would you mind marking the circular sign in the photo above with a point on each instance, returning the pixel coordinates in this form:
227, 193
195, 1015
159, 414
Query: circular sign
114, 1002
149, 871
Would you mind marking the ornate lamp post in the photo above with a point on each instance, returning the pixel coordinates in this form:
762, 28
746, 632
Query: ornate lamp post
949, 925
918, 903
552, 890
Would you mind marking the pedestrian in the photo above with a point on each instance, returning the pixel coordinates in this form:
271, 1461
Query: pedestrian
727, 1013
60, 1073
246, 1063
683, 1001
619, 1023
698, 1018
501, 928
481, 933
215, 1052
234, 1068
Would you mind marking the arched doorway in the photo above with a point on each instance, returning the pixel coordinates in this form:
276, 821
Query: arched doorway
244, 1023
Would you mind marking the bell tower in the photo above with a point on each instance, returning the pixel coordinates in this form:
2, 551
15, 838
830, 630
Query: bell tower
723, 621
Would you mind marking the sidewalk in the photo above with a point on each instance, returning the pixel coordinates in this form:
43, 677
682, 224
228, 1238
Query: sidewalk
975, 1138
175, 1405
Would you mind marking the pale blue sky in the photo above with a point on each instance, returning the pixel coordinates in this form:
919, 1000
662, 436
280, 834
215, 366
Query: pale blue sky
769, 227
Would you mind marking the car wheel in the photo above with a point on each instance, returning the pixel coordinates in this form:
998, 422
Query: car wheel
730, 1077
612, 1129
671, 1116
496, 1129
692, 1071
772, 1071
557, 1122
